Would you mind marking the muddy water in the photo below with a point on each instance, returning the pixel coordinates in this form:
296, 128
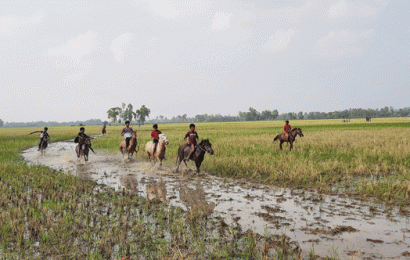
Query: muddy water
327, 224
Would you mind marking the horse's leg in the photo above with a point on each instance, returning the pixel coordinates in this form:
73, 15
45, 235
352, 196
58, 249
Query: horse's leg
198, 165
280, 144
291, 145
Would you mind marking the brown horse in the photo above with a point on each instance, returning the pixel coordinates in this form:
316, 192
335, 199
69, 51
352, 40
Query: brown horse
291, 137
160, 151
131, 147
198, 156
85, 148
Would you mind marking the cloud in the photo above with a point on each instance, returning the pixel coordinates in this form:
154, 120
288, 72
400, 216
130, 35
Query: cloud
221, 21
11, 25
77, 48
119, 45
337, 9
342, 43
279, 41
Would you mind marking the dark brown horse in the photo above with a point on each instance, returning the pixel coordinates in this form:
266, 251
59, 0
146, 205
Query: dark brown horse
44, 144
85, 148
198, 156
131, 146
291, 137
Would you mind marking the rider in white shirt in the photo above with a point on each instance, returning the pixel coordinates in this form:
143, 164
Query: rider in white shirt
127, 133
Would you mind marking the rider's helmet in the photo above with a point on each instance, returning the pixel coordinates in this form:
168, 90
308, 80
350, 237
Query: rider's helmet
192, 125
155, 126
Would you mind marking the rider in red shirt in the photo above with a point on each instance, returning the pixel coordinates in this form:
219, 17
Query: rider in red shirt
287, 128
193, 137
155, 136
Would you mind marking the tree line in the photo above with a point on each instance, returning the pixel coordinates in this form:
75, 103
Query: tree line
118, 115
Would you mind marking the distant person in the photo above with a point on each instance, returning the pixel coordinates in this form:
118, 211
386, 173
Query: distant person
287, 128
80, 139
127, 133
192, 140
104, 129
155, 136
43, 136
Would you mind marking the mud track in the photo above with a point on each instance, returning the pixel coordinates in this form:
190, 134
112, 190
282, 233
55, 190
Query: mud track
355, 229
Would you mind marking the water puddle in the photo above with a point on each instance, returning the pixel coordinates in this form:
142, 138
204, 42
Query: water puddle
328, 224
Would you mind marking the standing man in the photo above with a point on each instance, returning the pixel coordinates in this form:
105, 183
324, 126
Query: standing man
127, 133
43, 136
155, 136
192, 140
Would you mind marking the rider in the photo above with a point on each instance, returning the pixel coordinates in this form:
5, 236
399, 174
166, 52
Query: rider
80, 139
104, 129
287, 129
193, 137
127, 133
155, 136
43, 135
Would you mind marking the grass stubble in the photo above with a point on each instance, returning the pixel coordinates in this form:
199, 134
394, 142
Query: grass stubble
46, 213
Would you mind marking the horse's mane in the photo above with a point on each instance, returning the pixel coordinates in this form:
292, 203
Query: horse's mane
205, 141
294, 129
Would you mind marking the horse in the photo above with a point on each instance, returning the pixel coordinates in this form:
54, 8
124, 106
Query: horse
292, 135
44, 145
85, 148
131, 147
160, 151
198, 156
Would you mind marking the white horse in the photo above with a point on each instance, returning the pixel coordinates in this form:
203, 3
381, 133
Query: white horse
160, 151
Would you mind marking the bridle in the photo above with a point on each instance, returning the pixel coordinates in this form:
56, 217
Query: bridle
203, 149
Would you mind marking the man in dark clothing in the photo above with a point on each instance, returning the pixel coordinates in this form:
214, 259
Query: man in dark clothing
43, 136
80, 139
127, 133
192, 140
155, 136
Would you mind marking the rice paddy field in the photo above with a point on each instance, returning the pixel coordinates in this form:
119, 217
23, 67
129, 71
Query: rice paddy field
49, 214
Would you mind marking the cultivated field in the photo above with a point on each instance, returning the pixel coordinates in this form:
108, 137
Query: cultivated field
46, 213
365, 158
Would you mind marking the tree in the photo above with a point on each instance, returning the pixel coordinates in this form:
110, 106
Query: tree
1, 123
300, 115
113, 113
129, 113
141, 114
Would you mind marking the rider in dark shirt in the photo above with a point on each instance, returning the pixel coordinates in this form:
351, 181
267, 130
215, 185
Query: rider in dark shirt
80, 139
155, 136
44, 135
192, 140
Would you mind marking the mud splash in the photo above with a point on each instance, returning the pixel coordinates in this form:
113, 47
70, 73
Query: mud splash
330, 225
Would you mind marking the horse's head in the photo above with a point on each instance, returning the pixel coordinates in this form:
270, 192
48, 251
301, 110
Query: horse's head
298, 131
206, 146
163, 139
87, 141
134, 135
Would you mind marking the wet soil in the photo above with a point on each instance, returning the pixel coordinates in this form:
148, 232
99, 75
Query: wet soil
354, 228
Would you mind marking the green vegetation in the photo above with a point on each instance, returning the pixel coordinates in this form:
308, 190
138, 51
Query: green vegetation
364, 158
49, 214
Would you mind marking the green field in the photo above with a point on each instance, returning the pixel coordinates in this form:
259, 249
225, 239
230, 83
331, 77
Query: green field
46, 213
364, 158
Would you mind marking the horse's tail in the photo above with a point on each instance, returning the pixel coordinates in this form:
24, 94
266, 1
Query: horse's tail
276, 138
176, 162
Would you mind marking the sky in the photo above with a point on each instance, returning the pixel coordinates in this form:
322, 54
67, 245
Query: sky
73, 60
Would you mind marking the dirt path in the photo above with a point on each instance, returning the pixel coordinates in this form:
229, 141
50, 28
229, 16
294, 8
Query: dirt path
353, 228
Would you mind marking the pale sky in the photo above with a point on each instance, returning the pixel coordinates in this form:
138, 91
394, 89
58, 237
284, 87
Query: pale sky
73, 60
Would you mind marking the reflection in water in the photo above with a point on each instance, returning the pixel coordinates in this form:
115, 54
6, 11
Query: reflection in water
130, 182
156, 190
194, 199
